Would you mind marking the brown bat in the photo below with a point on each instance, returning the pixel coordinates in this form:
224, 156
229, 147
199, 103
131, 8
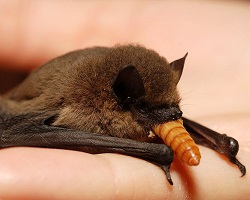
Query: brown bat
102, 99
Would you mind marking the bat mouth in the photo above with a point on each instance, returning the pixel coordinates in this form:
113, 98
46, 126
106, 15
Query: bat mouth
154, 116
166, 114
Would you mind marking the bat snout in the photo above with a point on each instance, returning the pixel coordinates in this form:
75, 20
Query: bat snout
176, 113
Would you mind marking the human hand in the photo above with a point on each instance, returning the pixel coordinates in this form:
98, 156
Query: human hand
28, 173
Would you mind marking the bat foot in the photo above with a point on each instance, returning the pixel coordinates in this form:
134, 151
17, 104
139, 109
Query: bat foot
241, 167
165, 168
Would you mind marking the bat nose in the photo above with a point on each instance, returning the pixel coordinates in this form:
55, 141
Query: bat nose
179, 113
176, 113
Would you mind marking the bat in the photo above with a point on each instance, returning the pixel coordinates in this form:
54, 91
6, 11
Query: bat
105, 100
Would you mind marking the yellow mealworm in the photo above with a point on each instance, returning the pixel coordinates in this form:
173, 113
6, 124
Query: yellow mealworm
176, 136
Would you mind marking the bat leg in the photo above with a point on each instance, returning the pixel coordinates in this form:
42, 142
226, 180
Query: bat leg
219, 142
31, 131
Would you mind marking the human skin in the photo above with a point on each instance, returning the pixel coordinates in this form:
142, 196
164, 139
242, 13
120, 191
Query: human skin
214, 86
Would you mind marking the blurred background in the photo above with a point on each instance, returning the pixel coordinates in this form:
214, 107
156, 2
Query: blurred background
216, 34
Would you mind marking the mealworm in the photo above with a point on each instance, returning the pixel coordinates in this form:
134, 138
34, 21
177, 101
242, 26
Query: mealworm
176, 136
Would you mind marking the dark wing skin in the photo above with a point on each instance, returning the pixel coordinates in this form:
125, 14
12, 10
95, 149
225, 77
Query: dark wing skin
30, 130
221, 143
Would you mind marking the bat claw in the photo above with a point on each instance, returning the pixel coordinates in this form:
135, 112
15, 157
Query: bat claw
241, 167
165, 168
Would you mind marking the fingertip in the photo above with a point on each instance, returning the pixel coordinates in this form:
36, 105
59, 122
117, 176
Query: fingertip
51, 174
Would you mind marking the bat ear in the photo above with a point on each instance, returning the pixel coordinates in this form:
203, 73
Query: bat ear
177, 67
128, 85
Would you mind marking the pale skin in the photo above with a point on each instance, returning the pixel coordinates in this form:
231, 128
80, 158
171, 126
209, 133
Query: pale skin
214, 87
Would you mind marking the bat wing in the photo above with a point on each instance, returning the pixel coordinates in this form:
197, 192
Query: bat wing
219, 142
30, 130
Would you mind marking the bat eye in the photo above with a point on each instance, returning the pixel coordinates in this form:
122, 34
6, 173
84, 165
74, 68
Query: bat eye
125, 104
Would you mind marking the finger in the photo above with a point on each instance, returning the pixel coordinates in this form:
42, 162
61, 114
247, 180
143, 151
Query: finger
27, 173
46, 173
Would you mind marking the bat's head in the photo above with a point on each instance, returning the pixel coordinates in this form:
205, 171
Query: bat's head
125, 91
151, 94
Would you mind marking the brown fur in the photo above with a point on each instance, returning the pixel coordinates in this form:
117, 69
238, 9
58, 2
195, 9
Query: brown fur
77, 88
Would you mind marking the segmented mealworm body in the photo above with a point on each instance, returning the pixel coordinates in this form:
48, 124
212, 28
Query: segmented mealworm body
175, 135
